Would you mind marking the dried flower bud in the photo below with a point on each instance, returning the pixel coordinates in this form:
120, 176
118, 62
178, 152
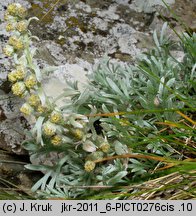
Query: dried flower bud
34, 100
49, 128
10, 27
56, 117
56, 140
104, 147
89, 166
22, 26
19, 88
8, 50
31, 81
26, 109
88, 146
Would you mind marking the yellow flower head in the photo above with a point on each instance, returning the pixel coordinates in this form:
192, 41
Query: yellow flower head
16, 75
104, 147
8, 50
31, 81
12, 76
16, 9
89, 166
10, 27
12, 40
20, 73
41, 109
56, 140
16, 42
18, 45
56, 117
18, 88
49, 128
78, 133
21, 12
34, 100
22, 26
26, 109
11, 9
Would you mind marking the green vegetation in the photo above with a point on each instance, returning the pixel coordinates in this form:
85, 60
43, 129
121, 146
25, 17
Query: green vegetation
131, 133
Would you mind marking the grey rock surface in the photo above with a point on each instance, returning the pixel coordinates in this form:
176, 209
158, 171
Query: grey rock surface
12, 124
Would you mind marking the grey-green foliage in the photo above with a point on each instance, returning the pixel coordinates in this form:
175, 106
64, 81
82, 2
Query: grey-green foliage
111, 85
157, 81
65, 172
189, 64
173, 82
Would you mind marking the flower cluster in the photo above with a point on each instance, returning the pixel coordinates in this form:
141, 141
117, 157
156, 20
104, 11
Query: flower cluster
31, 81
34, 100
26, 109
16, 10
56, 140
89, 166
23, 79
19, 89
15, 16
56, 117
8, 50
56, 128
18, 74
49, 128
16, 43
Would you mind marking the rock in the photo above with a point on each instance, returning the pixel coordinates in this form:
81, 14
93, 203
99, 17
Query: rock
12, 124
149, 6
12, 170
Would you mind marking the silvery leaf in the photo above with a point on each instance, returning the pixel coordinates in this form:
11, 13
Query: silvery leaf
88, 146
120, 148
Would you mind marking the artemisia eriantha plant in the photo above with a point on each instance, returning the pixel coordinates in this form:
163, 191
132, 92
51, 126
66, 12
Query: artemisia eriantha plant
55, 130
65, 144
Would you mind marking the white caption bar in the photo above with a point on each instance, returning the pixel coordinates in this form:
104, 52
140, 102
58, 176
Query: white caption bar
100, 207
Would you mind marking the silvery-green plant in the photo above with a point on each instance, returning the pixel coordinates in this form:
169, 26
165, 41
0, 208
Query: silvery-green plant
58, 132
157, 83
